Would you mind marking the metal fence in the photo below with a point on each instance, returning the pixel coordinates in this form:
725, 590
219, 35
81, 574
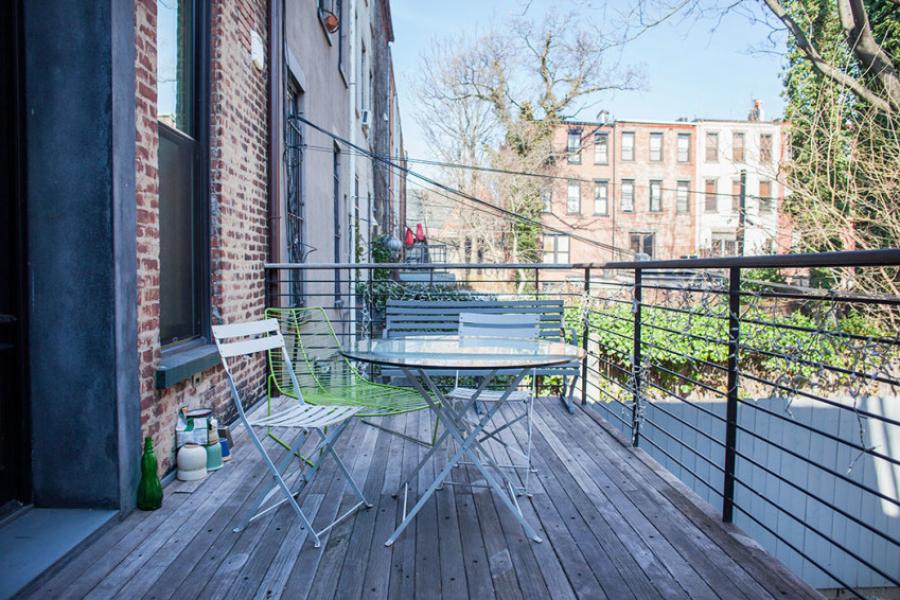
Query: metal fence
773, 400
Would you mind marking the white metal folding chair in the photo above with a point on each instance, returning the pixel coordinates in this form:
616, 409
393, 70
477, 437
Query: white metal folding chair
504, 326
245, 339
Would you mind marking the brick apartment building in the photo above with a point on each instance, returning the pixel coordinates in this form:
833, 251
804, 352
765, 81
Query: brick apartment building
624, 185
665, 189
157, 163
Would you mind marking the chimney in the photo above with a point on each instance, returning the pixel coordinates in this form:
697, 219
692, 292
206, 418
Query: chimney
757, 113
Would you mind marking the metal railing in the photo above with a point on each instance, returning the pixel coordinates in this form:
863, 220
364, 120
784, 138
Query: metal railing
775, 401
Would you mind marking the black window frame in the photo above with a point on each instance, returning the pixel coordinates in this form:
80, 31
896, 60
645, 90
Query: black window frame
601, 135
656, 135
622, 146
683, 136
573, 157
556, 253
642, 237
201, 335
683, 184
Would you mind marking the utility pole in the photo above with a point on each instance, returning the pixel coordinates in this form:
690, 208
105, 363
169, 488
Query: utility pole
742, 211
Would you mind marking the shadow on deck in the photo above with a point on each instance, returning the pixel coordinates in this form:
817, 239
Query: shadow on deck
615, 525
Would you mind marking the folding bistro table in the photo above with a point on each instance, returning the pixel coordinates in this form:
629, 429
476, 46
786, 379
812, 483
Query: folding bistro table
486, 358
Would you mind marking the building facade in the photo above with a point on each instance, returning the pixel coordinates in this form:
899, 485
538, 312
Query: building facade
163, 153
666, 190
730, 152
624, 186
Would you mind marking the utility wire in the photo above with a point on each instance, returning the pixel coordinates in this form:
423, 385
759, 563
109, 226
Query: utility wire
459, 193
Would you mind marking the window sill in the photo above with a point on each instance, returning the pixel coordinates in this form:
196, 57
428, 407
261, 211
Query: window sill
178, 366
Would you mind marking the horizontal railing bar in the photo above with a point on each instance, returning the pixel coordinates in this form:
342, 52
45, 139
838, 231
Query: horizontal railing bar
826, 297
683, 466
803, 361
683, 444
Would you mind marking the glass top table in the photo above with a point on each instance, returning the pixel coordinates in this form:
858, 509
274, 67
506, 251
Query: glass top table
420, 357
453, 352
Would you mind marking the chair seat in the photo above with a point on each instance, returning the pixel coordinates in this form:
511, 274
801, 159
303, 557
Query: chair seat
305, 415
462, 393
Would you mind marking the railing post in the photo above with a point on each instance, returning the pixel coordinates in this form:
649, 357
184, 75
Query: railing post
636, 361
585, 334
731, 406
370, 294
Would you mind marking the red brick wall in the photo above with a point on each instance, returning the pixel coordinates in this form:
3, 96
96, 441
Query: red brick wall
238, 208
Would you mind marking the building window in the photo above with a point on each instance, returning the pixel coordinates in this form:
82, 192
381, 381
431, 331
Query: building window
684, 147
765, 197
573, 146
362, 76
642, 243
655, 204
735, 195
547, 201
724, 243
656, 144
556, 249
765, 148
573, 197
339, 11
628, 145
336, 200
601, 148
737, 146
711, 198
182, 157
712, 147
628, 195
295, 206
682, 197
601, 197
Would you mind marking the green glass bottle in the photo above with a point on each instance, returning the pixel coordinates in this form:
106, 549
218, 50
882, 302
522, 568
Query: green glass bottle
150, 492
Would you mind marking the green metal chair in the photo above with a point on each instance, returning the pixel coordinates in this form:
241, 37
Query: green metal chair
326, 377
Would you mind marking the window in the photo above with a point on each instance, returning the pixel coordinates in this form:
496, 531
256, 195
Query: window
362, 76
765, 197
712, 147
601, 197
628, 145
655, 196
684, 147
765, 147
601, 148
295, 206
339, 11
547, 201
735, 195
710, 196
556, 249
573, 197
627, 195
336, 199
182, 156
682, 197
642, 243
573, 146
656, 143
737, 146
724, 243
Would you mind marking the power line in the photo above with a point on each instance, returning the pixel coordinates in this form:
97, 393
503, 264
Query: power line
457, 192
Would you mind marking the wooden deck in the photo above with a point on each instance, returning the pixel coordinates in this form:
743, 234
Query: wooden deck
615, 526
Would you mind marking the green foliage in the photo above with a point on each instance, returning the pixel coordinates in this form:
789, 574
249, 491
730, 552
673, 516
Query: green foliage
683, 352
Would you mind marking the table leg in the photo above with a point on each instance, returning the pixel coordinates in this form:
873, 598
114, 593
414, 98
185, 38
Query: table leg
465, 448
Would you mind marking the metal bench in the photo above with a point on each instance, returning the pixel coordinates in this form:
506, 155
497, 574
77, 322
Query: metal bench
417, 317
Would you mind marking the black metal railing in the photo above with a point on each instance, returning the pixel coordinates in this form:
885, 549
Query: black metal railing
776, 401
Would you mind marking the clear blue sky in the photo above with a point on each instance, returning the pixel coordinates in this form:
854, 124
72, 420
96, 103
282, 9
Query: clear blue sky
691, 70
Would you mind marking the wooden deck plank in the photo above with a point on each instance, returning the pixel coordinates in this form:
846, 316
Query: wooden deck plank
667, 570
615, 525
699, 521
352, 575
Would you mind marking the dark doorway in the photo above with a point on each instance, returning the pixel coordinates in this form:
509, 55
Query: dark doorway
15, 454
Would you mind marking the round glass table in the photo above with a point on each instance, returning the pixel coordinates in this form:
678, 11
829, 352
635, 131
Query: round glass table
420, 357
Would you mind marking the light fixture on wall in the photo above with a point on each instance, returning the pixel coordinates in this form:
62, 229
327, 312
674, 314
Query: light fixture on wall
329, 18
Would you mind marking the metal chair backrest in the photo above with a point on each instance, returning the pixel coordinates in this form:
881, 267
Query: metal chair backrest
510, 326
247, 339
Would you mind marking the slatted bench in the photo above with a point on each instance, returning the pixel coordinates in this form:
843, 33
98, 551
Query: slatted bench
417, 317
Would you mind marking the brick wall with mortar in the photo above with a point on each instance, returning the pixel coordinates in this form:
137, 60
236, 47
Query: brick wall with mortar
237, 200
